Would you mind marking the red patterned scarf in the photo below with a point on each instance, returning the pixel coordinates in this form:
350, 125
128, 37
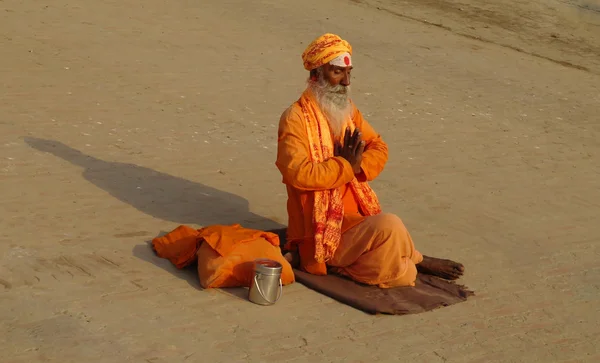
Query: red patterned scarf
328, 210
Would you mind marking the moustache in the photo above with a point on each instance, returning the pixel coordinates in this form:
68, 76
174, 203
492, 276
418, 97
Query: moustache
339, 89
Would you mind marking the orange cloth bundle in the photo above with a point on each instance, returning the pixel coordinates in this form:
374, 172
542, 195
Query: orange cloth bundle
178, 246
225, 254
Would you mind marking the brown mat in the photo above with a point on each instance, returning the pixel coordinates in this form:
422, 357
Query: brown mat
429, 293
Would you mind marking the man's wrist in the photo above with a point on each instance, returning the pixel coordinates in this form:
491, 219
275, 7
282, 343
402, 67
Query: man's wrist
361, 176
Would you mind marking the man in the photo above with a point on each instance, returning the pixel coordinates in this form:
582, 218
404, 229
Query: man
327, 154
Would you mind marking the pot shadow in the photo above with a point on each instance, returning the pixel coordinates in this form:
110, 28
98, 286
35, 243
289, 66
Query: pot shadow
162, 196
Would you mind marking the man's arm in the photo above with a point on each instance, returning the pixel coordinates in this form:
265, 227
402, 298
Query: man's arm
294, 162
375, 155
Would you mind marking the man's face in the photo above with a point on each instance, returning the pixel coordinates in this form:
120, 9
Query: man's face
331, 86
336, 75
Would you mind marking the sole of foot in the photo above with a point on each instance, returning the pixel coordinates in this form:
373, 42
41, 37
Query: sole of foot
445, 269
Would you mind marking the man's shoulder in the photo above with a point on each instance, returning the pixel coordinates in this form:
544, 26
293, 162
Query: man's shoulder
292, 113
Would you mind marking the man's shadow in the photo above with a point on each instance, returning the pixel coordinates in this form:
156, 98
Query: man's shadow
160, 195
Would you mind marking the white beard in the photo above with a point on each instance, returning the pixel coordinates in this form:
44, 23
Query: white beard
334, 102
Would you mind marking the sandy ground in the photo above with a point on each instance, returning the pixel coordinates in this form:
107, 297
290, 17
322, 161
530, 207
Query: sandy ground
121, 119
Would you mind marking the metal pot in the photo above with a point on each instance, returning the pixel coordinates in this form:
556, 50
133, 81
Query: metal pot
266, 287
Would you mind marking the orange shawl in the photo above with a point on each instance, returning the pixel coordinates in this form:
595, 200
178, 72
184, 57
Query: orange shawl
328, 209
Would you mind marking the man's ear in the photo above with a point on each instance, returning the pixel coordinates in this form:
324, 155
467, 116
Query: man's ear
313, 75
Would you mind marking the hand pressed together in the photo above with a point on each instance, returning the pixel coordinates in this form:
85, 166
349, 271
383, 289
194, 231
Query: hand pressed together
352, 149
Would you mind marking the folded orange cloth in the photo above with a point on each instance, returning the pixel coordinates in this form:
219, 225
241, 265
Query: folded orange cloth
225, 254
178, 246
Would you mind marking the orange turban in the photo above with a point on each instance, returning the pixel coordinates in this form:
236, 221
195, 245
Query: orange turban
324, 49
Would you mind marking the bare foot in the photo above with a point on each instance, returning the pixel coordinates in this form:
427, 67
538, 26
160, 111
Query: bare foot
445, 269
293, 258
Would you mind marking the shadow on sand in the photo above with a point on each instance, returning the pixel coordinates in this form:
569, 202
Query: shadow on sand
160, 195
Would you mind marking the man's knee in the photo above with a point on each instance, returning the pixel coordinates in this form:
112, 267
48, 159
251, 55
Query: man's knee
408, 278
390, 222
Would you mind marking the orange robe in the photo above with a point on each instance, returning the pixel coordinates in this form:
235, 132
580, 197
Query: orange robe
302, 177
379, 251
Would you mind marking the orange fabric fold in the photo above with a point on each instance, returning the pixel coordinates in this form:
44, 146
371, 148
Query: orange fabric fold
225, 254
328, 207
178, 246
224, 239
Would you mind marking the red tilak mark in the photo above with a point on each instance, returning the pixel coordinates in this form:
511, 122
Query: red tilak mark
347, 60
